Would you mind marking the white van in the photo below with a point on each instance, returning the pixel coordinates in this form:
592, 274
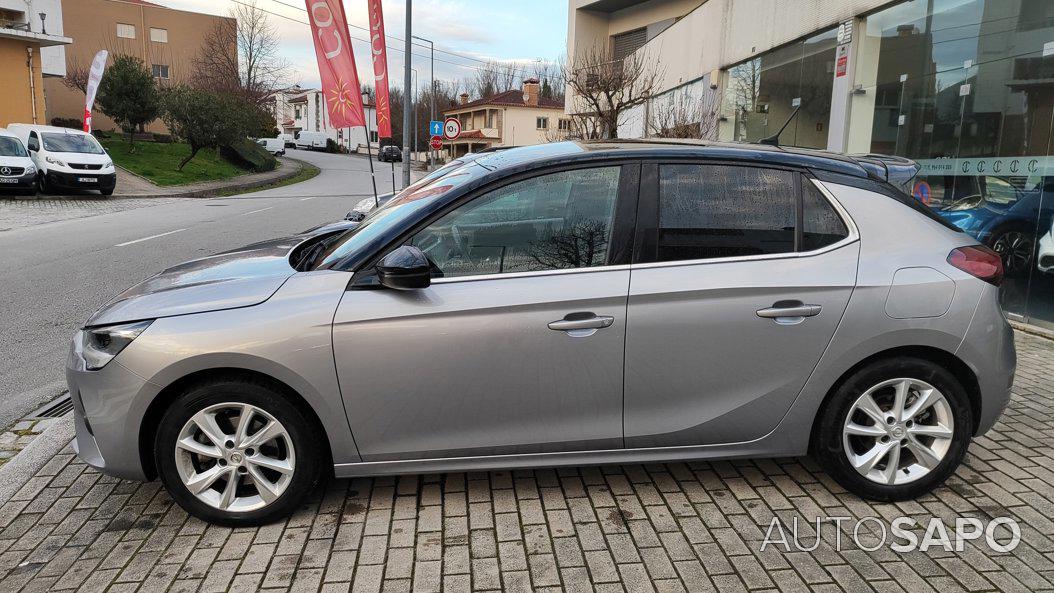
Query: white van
288, 140
274, 146
311, 140
67, 158
17, 171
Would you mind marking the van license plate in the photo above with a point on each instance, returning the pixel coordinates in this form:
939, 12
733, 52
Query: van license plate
87, 179
8, 180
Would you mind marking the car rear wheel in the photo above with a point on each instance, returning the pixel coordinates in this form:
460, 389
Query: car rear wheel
237, 453
895, 430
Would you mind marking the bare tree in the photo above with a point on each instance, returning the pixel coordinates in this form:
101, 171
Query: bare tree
243, 55
581, 244
605, 88
684, 114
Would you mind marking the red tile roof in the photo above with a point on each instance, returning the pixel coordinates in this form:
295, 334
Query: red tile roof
510, 98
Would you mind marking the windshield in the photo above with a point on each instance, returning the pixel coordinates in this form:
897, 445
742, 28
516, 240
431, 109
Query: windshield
391, 216
11, 147
80, 143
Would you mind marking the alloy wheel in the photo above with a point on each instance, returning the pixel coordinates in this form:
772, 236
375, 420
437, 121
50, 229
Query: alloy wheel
1015, 247
898, 431
235, 457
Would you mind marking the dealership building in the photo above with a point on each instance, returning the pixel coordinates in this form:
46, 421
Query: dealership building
964, 87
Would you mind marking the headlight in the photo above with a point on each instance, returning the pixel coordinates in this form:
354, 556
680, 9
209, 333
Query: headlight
31, 170
108, 165
54, 161
100, 344
364, 205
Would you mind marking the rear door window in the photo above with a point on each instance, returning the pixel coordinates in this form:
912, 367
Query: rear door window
712, 211
821, 225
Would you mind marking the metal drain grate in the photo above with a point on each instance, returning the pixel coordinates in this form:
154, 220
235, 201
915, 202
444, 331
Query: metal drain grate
55, 408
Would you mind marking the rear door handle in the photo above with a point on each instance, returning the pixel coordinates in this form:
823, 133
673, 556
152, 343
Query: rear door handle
789, 312
581, 324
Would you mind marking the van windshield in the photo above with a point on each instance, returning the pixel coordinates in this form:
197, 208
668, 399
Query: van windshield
79, 143
11, 147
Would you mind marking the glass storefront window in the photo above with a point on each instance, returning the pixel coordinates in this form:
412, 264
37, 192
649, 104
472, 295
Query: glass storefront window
764, 92
966, 88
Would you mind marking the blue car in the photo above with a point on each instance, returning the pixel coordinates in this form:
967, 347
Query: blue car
1002, 216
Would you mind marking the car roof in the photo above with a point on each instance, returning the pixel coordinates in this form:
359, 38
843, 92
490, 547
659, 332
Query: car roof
875, 166
7, 134
51, 129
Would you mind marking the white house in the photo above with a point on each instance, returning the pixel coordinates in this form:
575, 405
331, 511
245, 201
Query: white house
311, 115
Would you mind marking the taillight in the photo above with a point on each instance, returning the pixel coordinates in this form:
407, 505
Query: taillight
979, 262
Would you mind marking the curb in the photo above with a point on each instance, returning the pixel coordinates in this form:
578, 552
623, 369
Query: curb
22, 467
1034, 330
244, 185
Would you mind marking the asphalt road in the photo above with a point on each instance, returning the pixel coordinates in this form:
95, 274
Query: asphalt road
54, 275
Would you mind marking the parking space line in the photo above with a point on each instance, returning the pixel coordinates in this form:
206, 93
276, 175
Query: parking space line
148, 238
255, 211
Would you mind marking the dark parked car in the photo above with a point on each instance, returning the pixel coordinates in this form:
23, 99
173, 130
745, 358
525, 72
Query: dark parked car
390, 154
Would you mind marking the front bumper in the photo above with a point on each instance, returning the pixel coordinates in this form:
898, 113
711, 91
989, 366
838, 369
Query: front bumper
20, 183
102, 181
109, 405
1045, 261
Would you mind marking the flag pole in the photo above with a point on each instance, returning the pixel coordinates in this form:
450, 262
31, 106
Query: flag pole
393, 177
373, 176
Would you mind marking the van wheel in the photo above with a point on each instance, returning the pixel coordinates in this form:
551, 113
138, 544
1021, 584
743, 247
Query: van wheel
895, 430
43, 186
237, 453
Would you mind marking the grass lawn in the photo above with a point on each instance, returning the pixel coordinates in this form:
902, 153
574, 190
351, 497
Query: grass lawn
158, 162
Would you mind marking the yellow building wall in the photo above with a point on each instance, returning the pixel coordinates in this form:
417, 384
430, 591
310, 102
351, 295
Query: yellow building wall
16, 104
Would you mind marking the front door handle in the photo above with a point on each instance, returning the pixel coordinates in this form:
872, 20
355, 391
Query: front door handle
789, 312
581, 324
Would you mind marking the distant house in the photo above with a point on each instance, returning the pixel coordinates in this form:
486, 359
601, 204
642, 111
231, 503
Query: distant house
32, 50
515, 117
309, 114
167, 40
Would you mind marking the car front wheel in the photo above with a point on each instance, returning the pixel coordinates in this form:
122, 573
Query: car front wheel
895, 430
237, 453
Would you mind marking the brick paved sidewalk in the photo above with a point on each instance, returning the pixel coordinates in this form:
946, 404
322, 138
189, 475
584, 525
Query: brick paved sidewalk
674, 527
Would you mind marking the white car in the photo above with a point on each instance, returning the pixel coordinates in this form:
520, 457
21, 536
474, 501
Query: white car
311, 140
17, 171
274, 146
1046, 251
67, 159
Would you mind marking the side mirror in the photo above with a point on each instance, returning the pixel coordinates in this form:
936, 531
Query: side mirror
354, 216
406, 268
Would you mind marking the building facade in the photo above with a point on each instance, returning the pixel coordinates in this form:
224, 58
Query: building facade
517, 117
167, 41
32, 49
309, 114
964, 87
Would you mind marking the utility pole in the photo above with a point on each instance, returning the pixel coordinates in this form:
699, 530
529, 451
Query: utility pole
408, 56
432, 110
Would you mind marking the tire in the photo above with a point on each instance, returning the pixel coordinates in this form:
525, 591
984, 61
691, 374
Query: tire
911, 477
107, 192
43, 187
298, 449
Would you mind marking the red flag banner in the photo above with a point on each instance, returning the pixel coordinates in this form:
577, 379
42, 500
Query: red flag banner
336, 63
380, 69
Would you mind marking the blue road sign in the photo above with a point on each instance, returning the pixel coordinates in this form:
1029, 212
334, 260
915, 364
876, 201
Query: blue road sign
435, 128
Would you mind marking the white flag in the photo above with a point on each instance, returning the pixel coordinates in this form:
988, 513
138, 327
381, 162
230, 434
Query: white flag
98, 66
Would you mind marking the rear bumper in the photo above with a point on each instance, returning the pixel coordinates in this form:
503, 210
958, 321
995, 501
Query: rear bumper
101, 181
988, 348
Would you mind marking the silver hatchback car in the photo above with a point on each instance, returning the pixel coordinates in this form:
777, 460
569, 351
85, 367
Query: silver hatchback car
565, 304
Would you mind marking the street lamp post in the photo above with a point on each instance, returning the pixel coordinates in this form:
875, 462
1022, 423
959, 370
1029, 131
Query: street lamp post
408, 56
432, 111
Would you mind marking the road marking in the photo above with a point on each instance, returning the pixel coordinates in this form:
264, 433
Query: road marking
255, 211
306, 199
148, 238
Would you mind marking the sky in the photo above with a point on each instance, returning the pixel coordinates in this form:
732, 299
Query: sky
525, 31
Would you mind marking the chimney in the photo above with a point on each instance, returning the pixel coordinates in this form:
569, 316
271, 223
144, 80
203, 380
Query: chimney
531, 90
463, 98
